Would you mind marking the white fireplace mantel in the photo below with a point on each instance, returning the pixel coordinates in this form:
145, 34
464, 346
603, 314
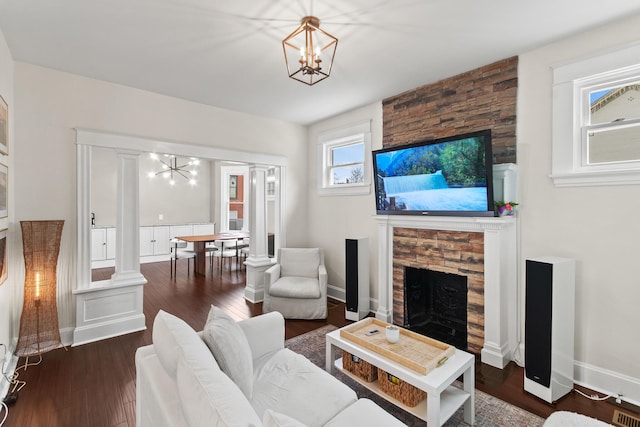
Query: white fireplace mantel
500, 275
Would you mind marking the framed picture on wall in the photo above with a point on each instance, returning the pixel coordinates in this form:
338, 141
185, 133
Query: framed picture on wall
4, 176
4, 127
3, 256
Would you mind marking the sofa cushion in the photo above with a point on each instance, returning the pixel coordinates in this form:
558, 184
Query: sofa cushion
171, 336
289, 383
276, 419
299, 262
295, 287
364, 413
230, 347
209, 398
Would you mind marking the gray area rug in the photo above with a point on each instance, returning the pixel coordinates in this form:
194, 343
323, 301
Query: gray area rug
490, 411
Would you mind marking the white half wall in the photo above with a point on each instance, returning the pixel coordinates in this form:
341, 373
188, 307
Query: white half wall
596, 226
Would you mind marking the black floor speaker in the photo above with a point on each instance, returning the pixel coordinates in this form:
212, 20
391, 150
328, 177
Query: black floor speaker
356, 278
549, 327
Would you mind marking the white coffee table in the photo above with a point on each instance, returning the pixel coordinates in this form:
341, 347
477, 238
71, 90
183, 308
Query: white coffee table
443, 399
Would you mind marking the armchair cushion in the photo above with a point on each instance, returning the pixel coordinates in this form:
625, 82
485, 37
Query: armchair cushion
295, 287
302, 262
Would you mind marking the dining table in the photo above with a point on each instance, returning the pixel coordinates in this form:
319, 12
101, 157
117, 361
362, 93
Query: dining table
200, 246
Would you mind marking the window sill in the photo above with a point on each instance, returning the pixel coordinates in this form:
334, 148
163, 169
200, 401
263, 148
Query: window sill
359, 190
596, 178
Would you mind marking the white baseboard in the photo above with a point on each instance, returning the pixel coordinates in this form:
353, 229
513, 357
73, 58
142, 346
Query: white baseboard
104, 330
607, 382
336, 293
339, 294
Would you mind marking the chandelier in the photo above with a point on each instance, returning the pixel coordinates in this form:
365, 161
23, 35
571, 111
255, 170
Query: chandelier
305, 50
171, 169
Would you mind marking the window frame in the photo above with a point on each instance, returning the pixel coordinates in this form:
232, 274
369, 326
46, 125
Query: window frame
348, 136
572, 83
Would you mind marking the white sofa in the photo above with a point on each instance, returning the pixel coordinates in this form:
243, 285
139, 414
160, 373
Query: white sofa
239, 374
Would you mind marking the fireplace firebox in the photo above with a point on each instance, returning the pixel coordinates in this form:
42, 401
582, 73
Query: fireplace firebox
436, 305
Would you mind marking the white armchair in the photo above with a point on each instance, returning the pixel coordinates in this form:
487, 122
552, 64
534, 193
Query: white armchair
297, 285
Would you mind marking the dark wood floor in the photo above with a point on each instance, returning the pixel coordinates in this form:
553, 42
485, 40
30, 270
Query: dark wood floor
93, 385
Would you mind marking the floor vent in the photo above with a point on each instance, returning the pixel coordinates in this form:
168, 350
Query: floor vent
625, 420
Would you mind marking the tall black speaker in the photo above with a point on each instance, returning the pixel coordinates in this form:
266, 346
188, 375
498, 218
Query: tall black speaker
357, 278
549, 327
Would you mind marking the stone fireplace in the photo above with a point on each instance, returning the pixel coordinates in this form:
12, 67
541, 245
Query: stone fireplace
435, 305
483, 250
445, 251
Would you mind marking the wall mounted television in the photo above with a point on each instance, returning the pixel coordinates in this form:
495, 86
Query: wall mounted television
449, 176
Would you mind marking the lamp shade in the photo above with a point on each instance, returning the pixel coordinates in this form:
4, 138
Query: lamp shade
39, 330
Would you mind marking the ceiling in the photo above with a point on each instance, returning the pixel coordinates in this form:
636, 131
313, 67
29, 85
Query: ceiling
229, 54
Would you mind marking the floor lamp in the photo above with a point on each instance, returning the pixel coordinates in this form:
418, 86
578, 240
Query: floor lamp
39, 330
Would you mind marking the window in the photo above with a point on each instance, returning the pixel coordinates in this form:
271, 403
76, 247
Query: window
596, 120
611, 131
344, 163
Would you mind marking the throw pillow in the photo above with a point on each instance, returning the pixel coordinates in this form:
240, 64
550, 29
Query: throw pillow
276, 419
171, 336
208, 397
230, 347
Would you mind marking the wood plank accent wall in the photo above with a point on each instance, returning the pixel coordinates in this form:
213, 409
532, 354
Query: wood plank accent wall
484, 98
454, 252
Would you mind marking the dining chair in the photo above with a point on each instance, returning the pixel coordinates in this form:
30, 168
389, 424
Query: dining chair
179, 251
210, 248
244, 249
226, 249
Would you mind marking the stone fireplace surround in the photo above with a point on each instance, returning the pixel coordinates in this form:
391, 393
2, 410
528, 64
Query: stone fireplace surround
405, 240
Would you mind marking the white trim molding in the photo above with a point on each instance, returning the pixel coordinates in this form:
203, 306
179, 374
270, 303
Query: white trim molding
607, 382
500, 276
568, 149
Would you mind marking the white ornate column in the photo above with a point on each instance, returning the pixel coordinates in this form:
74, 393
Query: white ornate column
385, 271
500, 281
258, 260
128, 220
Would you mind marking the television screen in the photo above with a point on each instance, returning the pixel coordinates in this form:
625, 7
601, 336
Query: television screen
448, 176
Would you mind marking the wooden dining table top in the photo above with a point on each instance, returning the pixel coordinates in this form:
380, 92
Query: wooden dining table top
214, 237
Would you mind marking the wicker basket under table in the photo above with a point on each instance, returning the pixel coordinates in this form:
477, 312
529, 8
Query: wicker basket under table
399, 389
359, 367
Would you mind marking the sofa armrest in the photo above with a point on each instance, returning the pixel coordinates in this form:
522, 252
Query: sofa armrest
270, 276
322, 275
265, 333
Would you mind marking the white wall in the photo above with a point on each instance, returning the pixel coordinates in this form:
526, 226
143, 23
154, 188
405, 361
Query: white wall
181, 203
332, 219
8, 288
50, 104
597, 226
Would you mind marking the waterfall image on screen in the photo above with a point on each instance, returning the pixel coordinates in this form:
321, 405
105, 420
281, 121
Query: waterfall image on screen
444, 176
